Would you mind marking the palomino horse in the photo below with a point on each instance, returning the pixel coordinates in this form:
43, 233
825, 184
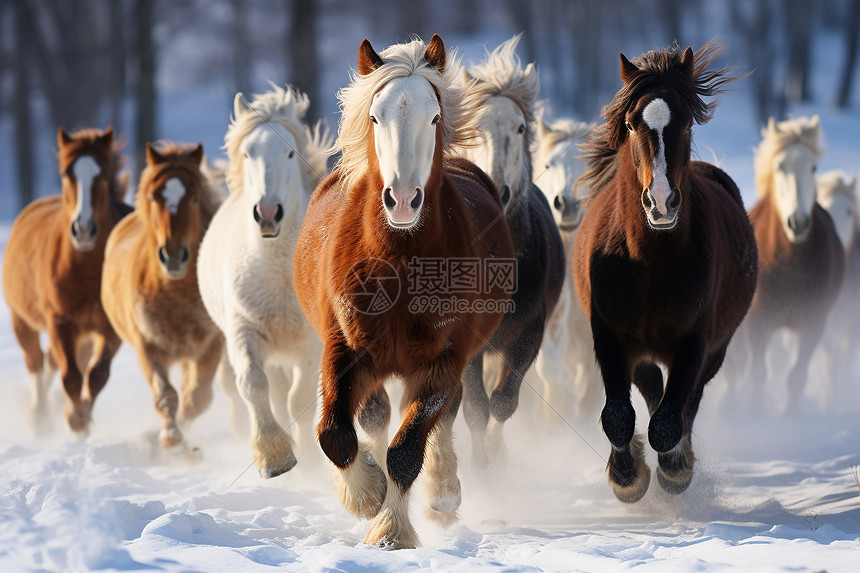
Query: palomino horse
246, 269
801, 262
52, 272
567, 351
391, 205
499, 100
837, 194
150, 292
664, 262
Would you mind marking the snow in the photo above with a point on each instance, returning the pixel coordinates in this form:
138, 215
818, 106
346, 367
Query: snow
769, 493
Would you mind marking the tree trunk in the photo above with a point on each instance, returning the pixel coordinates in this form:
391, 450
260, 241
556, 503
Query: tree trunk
23, 120
413, 20
116, 79
302, 47
145, 125
852, 31
799, 21
241, 56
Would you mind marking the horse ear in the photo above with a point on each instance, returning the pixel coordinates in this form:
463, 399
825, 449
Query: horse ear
63, 137
196, 154
687, 61
107, 137
853, 181
435, 53
815, 122
240, 105
627, 69
368, 59
771, 125
153, 157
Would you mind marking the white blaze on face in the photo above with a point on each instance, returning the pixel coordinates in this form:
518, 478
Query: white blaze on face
656, 116
271, 167
85, 170
501, 155
173, 193
795, 188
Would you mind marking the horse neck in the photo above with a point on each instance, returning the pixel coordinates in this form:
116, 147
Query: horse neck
518, 216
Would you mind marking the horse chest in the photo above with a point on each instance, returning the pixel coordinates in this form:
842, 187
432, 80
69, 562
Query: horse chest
174, 322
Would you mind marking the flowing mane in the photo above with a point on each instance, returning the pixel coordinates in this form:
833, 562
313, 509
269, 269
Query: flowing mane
399, 60
836, 183
117, 179
559, 131
777, 137
286, 107
502, 74
656, 67
210, 199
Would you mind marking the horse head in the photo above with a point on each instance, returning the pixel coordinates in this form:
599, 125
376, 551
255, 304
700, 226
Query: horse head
406, 115
85, 165
792, 166
557, 169
837, 194
169, 201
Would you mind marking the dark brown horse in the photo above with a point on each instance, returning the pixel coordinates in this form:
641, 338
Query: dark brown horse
801, 259
664, 263
52, 274
390, 210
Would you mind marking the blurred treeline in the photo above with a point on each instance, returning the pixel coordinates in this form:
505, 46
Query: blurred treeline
82, 62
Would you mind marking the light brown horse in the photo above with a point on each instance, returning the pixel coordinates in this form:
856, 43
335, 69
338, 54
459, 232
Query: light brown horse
150, 289
801, 261
52, 274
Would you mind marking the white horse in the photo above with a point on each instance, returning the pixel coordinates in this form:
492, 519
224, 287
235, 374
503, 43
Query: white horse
499, 97
837, 193
246, 268
567, 352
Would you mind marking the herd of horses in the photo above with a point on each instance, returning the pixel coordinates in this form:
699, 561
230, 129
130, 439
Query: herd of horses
620, 262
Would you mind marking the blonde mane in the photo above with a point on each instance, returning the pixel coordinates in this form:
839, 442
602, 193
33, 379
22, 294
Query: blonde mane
502, 74
777, 137
399, 61
286, 107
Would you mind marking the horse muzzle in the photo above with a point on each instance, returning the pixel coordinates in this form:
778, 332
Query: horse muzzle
174, 265
403, 208
798, 225
84, 235
661, 220
269, 216
570, 211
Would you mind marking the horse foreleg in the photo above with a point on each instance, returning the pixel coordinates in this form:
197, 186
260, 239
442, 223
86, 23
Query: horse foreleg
628, 473
361, 483
227, 381
63, 338
302, 399
40, 371
272, 445
476, 409
443, 485
98, 372
196, 386
807, 343
649, 379
164, 396
433, 399
374, 417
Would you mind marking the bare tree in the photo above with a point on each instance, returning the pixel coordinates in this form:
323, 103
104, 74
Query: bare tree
117, 54
412, 18
302, 48
23, 122
145, 124
240, 58
852, 32
799, 17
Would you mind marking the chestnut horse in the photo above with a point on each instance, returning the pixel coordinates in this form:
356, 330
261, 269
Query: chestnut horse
500, 103
52, 274
801, 260
664, 263
150, 289
392, 204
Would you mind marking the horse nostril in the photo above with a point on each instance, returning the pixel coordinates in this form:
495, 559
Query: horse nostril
279, 213
647, 199
674, 200
558, 202
94, 229
184, 255
505, 192
388, 199
75, 231
257, 216
162, 255
419, 198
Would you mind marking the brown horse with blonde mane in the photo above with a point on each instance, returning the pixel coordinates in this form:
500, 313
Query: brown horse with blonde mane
393, 204
52, 272
150, 288
664, 263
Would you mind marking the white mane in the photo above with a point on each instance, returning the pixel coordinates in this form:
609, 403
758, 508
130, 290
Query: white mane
286, 107
560, 131
399, 60
780, 136
836, 182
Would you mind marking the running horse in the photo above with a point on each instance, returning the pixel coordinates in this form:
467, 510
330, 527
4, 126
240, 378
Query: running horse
391, 204
664, 263
52, 272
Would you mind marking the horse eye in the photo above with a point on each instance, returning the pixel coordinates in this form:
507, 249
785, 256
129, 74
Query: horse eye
291, 153
521, 128
628, 126
814, 168
436, 119
373, 119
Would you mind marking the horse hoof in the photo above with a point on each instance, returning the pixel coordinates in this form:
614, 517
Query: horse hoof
169, 437
362, 486
629, 475
388, 532
448, 502
675, 469
619, 422
665, 430
671, 485
269, 470
444, 519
